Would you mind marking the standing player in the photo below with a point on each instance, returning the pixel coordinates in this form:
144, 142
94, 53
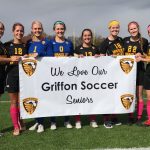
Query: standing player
2, 66
3, 60
61, 48
147, 78
38, 46
15, 48
136, 45
112, 46
86, 49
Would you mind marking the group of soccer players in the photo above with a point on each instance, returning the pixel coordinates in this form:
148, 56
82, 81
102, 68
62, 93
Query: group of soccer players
39, 46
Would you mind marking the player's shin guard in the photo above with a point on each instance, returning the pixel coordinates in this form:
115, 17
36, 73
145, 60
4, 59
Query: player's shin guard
148, 109
14, 116
140, 107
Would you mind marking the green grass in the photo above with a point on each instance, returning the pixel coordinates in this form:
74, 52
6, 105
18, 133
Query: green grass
86, 138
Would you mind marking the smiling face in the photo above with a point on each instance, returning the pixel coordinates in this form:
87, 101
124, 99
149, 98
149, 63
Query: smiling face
133, 29
18, 32
37, 29
114, 30
59, 30
1, 30
87, 37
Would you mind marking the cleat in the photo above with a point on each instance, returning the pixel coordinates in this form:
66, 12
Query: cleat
108, 125
16, 132
34, 127
78, 125
68, 125
139, 122
116, 122
53, 126
40, 128
93, 124
147, 123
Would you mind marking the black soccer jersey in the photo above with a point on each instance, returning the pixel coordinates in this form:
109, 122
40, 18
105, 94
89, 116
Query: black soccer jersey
86, 51
15, 50
115, 47
2, 52
131, 48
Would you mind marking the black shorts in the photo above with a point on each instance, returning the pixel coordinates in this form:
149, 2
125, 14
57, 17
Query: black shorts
140, 78
2, 78
147, 78
12, 80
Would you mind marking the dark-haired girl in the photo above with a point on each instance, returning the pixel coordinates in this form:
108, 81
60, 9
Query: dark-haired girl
86, 49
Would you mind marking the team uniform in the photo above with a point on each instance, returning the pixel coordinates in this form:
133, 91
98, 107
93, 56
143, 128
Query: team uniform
132, 48
2, 68
43, 47
86, 51
114, 47
62, 49
147, 72
12, 80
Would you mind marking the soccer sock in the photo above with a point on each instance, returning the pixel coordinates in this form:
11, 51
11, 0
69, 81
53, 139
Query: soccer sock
92, 117
14, 116
148, 109
140, 109
77, 118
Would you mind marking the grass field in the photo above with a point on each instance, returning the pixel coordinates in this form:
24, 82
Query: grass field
86, 138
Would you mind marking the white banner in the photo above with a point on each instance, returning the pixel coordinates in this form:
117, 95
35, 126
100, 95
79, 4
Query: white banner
77, 86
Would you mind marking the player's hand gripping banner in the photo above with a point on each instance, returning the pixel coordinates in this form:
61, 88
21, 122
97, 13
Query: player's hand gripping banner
77, 86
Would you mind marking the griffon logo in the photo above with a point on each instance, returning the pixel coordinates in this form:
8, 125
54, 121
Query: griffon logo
29, 66
126, 64
127, 100
30, 104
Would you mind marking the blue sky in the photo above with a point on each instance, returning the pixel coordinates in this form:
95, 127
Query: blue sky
77, 14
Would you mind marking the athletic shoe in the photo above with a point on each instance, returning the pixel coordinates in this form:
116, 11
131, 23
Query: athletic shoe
1, 134
16, 132
68, 125
130, 121
147, 123
116, 122
93, 124
78, 125
53, 126
34, 127
108, 125
40, 128
139, 122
